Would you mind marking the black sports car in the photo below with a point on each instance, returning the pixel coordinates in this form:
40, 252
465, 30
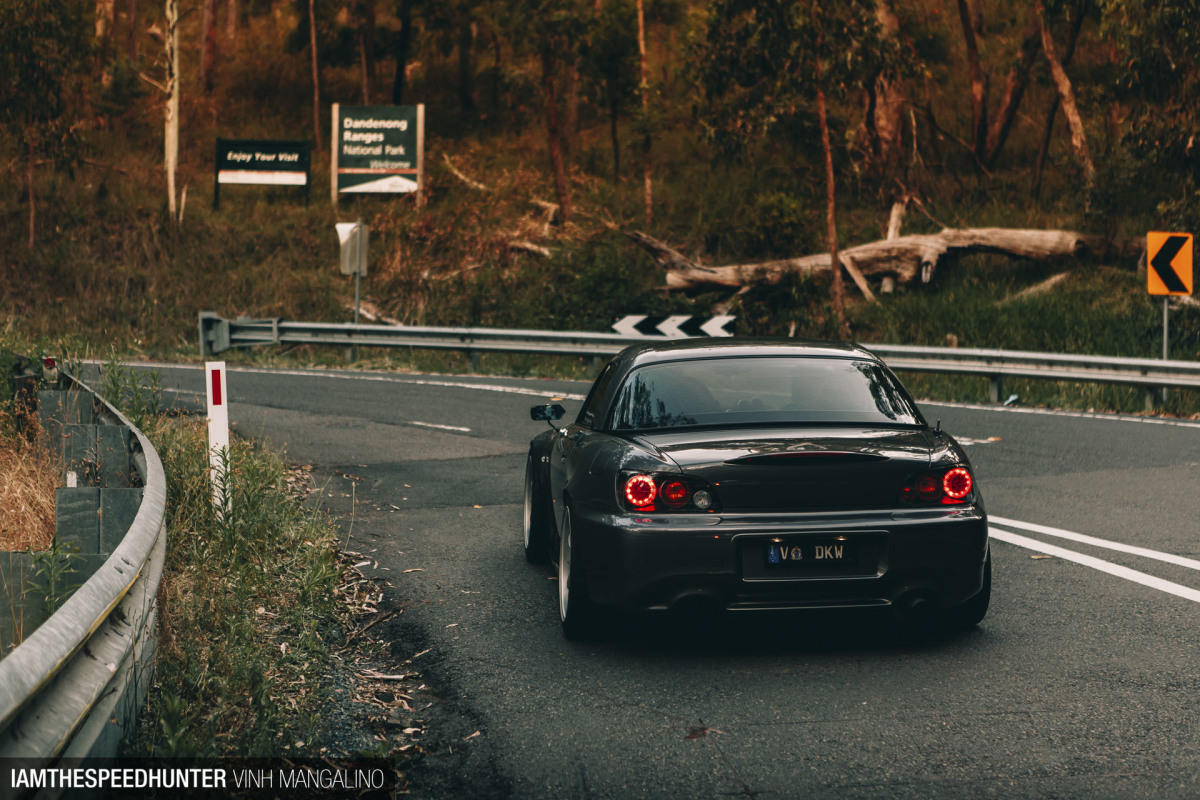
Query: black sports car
745, 475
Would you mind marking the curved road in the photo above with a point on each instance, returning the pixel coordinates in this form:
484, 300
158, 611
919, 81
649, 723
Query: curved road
1083, 681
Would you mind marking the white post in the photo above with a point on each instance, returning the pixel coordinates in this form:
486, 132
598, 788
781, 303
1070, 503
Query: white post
335, 141
218, 430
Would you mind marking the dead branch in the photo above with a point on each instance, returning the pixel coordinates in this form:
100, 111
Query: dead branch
905, 257
529, 247
474, 184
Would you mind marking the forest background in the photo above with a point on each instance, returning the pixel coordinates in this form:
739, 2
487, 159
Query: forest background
734, 131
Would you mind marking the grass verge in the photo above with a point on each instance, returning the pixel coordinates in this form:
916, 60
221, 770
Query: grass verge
247, 609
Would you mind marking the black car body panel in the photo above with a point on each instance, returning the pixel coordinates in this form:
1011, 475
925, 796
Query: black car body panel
753, 499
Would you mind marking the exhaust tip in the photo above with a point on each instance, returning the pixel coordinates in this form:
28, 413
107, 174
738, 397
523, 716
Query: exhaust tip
917, 608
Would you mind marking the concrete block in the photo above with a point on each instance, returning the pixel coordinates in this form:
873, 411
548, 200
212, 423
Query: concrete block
81, 453
118, 507
50, 417
58, 408
20, 613
77, 519
112, 447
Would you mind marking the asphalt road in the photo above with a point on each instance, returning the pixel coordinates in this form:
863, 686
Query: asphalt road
1083, 681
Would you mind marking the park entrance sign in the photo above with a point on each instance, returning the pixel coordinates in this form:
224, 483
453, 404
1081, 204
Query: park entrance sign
378, 149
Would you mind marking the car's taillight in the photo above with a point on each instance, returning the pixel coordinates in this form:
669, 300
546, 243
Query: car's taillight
957, 483
640, 491
675, 493
945, 487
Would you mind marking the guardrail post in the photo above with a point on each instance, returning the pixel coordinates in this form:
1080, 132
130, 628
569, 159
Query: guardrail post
473, 357
214, 334
995, 388
1149, 399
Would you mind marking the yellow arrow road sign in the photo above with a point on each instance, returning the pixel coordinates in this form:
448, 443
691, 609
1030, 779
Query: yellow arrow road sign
1168, 263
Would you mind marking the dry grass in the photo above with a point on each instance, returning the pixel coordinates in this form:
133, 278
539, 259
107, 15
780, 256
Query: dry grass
28, 478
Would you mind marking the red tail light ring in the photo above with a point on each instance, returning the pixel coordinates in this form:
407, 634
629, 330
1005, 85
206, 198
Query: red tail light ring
640, 491
957, 483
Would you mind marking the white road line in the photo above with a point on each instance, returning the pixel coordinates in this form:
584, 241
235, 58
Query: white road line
440, 427
1097, 563
1179, 561
485, 387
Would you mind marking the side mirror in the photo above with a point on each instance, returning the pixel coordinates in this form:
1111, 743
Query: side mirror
548, 413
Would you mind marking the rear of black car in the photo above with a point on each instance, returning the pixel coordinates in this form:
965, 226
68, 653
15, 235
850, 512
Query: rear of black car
779, 482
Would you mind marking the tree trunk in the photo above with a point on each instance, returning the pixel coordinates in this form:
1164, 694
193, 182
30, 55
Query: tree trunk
316, 82
171, 125
889, 95
232, 16
208, 45
1052, 111
105, 15
644, 88
403, 45
839, 288
32, 205
1067, 95
1014, 91
978, 86
906, 258
615, 134
553, 137
571, 106
132, 41
366, 48
466, 66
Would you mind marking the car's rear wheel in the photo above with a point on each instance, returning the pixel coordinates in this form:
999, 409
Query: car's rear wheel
574, 606
536, 518
972, 612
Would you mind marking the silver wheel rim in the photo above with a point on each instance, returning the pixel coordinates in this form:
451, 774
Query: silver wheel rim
528, 514
564, 568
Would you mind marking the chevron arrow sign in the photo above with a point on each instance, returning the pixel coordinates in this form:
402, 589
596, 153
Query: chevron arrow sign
674, 327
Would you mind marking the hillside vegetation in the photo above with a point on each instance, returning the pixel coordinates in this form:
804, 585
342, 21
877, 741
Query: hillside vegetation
943, 104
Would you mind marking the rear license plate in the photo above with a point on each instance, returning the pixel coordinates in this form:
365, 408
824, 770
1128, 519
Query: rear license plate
810, 552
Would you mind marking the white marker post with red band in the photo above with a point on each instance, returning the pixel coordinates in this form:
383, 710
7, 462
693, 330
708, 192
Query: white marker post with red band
218, 430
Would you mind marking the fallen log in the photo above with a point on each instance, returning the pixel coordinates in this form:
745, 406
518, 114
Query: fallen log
905, 258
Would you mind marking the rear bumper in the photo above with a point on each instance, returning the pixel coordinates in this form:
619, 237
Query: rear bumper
658, 563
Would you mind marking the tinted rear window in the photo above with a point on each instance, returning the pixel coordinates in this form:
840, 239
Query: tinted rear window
768, 390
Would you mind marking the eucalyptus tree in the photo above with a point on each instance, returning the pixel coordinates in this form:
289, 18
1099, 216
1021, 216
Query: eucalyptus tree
1158, 88
609, 67
764, 62
551, 31
44, 59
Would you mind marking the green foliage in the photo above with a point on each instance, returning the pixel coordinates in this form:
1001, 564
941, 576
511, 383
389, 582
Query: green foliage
763, 60
44, 47
248, 606
135, 393
54, 577
609, 58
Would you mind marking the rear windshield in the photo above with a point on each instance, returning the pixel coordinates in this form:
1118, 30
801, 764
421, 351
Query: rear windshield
766, 390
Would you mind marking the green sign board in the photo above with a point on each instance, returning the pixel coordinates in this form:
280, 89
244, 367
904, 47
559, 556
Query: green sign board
377, 149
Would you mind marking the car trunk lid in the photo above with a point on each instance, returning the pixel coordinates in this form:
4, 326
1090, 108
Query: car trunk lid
799, 469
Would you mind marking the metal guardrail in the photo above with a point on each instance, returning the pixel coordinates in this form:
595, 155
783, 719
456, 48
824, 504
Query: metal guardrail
73, 686
218, 335
995, 365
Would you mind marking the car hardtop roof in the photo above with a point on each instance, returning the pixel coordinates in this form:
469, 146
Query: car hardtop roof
737, 346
